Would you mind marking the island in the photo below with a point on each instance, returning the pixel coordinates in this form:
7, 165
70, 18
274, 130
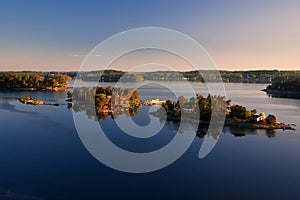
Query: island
284, 89
102, 102
200, 108
35, 102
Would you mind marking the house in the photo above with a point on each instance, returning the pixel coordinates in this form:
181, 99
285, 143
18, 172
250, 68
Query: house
188, 110
260, 117
156, 101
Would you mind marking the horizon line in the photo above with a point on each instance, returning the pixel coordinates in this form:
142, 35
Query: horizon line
66, 71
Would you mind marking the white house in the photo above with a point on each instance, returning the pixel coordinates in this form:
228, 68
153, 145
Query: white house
156, 101
260, 117
188, 110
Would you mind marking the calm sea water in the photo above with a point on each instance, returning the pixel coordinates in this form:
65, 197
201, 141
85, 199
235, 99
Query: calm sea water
42, 157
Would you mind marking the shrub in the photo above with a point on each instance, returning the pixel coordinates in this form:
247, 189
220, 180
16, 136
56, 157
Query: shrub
271, 119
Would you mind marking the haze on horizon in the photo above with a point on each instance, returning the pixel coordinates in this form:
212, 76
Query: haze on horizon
238, 34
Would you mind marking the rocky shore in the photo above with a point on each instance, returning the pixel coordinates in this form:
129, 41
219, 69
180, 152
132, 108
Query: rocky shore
252, 125
232, 123
31, 101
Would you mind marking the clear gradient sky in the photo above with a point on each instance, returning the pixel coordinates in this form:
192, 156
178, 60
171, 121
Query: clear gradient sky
238, 34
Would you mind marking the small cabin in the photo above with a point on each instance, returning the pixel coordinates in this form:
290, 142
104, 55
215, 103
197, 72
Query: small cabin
156, 102
259, 117
188, 110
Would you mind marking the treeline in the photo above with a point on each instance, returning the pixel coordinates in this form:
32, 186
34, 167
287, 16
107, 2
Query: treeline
253, 76
257, 76
204, 108
195, 107
32, 81
109, 76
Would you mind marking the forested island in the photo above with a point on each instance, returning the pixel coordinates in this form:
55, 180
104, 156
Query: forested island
285, 89
204, 108
103, 102
33, 81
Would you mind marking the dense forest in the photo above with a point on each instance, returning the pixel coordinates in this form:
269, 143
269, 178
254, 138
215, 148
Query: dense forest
32, 81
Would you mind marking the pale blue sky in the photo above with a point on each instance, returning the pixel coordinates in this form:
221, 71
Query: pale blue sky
239, 35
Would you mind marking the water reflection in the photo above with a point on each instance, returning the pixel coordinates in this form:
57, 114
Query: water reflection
284, 95
242, 132
237, 132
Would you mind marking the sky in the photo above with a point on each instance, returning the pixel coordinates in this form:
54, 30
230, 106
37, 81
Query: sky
238, 34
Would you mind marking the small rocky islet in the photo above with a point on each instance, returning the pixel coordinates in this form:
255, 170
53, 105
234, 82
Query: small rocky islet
31, 101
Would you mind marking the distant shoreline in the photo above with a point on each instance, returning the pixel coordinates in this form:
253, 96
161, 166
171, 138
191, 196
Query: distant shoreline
35, 89
227, 76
